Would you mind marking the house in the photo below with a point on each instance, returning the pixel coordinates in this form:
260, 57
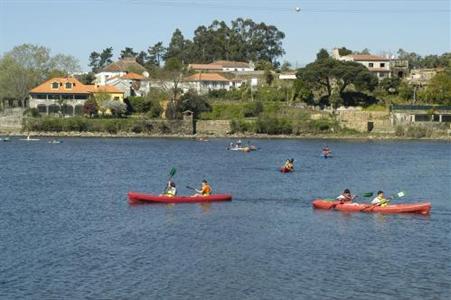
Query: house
120, 68
287, 76
132, 84
223, 66
68, 95
204, 82
378, 65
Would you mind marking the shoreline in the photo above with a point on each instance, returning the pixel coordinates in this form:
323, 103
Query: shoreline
230, 136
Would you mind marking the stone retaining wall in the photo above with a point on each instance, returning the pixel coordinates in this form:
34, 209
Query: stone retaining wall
363, 121
213, 127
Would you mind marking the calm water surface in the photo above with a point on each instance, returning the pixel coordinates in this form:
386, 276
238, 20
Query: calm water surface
67, 232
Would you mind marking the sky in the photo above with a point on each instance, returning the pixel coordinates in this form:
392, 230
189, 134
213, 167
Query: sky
78, 27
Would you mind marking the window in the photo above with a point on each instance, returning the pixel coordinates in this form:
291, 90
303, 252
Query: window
381, 75
41, 96
68, 85
81, 97
382, 65
116, 99
68, 97
370, 65
55, 85
53, 97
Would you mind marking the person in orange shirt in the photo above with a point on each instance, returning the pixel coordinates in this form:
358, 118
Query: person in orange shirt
205, 189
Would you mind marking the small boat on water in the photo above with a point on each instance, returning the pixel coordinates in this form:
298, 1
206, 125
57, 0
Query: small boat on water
29, 139
55, 142
414, 208
6, 139
134, 197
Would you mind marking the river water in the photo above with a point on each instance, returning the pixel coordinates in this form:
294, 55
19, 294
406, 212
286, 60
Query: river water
67, 231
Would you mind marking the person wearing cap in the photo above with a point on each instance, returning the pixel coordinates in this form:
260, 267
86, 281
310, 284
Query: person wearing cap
380, 199
346, 196
170, 190
205, 189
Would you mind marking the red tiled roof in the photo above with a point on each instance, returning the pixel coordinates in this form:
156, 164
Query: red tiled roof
77, 87
206, 77
134, 76
46, 87
368, 57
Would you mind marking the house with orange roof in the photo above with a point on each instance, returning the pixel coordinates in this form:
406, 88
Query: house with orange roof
379, 65
132, 84
120, 68
204, 82
68, 95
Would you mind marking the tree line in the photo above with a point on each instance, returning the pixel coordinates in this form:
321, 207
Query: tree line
242, 40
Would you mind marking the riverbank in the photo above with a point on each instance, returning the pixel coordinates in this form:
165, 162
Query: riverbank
355, 136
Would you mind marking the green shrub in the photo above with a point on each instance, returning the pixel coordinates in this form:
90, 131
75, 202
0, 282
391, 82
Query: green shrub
241, 126
252, 109
272, 125
32, 112
139, 104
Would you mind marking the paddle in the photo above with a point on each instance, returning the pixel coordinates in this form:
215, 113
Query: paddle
191, 188
171, 174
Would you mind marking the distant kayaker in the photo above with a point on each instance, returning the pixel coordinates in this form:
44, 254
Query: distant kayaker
346, 196
326, 151
171, 190
205, 189
380, 199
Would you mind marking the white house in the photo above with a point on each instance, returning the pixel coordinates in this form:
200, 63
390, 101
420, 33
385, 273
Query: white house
132, 84
119, 68
204, 82
378, 65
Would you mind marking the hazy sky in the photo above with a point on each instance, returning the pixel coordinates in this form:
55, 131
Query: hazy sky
78, 27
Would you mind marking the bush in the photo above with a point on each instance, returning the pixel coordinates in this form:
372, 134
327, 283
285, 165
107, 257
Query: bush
90, 108
117, 108
241, 126
32, 112
253, 109
272, 125
139, 104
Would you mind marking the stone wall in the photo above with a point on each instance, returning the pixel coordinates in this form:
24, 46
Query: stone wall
11, 120
363, 121
213, 127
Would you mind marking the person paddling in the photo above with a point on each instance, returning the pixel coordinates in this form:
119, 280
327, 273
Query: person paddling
205, 189
380, 199
171, 190
346, 197
326, 151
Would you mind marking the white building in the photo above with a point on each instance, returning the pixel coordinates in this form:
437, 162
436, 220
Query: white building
131, 84
378, 65
204, 82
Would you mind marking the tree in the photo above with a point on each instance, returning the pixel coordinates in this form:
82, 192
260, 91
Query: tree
156, 54
269, 77
438, 89
322, 54
390, 85
343, 51
90, 108
177, 47
21, 69
128, 52
286, 66
142, 58
195, 103
97, 61
66, 64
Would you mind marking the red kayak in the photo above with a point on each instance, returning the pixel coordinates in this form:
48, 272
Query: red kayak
286, 170
134, 197
414, 208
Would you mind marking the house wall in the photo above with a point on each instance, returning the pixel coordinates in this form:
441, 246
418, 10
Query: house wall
102, 77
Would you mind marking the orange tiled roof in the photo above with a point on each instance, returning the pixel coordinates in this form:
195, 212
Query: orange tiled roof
368, 57
46, 87
77, 87
206, 77
104, 89
134, 76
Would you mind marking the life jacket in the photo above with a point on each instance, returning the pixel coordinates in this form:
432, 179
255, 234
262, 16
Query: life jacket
171, 192
206, 190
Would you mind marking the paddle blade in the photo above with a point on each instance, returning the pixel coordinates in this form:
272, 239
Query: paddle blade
172, 172
400, 195
369, 194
